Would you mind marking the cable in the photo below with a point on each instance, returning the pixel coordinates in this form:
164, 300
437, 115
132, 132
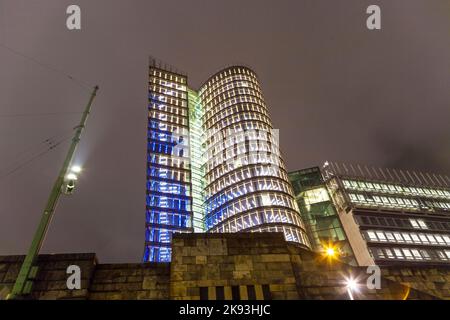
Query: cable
35, 147
49, 67
12, 115
21, 166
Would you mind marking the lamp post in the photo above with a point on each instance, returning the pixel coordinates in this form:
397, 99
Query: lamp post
28, 270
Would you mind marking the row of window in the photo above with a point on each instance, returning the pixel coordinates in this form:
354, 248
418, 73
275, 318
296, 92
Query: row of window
244, 160
395, 189
233, 93
168, 108
235, 109
213, 135
165, 173
396, 202
245, 116
207, 90
167, 137
168, 76
250, 202
168, 187
411, 254
254, 219
231, 86
249, 145
168, 202
221, 181
167, 117
408, 237
166, 99
168, 148
158, 235
167, 127
157, 254
401, 223
234, 101
168, 218
167, 160
290, 233
169, 84
229, 137
223, 77
168, 91
241, 189
242, 154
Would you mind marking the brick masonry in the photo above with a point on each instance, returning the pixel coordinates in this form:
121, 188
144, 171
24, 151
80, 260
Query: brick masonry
224, 266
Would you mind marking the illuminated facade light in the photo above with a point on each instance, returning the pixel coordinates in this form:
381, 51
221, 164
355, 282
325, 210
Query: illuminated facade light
213, 161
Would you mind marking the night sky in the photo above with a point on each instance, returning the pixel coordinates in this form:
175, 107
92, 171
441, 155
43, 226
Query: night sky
336, 91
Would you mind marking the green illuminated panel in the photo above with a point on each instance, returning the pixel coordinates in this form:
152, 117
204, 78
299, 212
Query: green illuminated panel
196, 135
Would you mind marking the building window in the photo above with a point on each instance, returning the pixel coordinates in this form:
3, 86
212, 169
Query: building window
220, 293
418, 224
235, 293
251, 292
268, 296
203, 293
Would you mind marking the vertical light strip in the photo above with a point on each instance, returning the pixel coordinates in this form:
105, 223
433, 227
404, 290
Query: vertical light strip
197, 164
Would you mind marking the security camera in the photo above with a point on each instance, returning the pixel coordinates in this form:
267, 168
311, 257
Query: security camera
69, 187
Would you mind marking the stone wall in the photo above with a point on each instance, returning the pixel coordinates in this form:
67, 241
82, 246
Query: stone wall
248, 263
130, 282
51, 279
240, 266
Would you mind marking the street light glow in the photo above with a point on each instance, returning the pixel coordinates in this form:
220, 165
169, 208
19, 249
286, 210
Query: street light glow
352, 286
72, 176
331, 252
76, 169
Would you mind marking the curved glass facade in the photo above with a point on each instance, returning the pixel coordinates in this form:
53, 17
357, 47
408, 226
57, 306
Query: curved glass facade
246, 183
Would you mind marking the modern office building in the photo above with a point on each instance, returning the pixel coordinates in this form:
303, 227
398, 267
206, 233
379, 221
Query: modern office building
214, 163
385, 216
169, 176
321, 218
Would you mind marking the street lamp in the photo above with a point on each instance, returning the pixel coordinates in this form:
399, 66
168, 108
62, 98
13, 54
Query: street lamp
352, 286
70, 179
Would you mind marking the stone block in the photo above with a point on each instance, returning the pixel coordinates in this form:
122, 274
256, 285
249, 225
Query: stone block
178, 290
200, 259
242, 274
188, 260
275, 258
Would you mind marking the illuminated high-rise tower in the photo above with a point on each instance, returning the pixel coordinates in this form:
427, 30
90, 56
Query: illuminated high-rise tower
213, 161
169, 200
247, 186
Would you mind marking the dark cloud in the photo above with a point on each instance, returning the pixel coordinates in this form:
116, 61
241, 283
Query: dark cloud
336, 91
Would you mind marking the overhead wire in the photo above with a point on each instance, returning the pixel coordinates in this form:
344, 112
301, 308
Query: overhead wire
47, 66
33, 158
16, 115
